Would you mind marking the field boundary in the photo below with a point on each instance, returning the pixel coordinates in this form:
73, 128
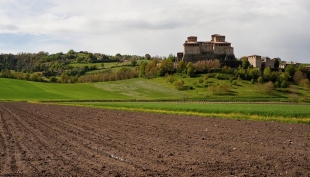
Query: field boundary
177, 101
215, 114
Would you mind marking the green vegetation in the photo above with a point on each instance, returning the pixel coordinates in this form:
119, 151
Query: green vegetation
18, 90
83, 76
172, 87
270, 112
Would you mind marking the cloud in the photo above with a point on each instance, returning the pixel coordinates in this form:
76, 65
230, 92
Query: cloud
276, 28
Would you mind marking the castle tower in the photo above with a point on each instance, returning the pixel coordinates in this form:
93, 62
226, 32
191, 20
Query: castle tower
191, 46
255, 61
218, 38
191, 39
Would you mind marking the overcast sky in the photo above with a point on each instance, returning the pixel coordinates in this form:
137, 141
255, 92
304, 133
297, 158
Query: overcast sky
277, 28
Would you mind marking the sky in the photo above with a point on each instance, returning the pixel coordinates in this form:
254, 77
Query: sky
277, 28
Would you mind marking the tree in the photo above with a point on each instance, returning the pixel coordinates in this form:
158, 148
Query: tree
118, 55
166, 66
240, 73
277, 62
142, 69
181, 66
305, 84
133, 63
260, 79
170, 79
171, 57
80, 59
268, 87
284, 76
64, 78
277, 84
53, 79
147, 56
290, 70
267, 74
284, 84
243, 58
298, 76
71, 51
151, 68
190, 69
253, 73
179, 84
245, 64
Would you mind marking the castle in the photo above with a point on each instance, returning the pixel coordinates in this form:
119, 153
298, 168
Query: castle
217, 48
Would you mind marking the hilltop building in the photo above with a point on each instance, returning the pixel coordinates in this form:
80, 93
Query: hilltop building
217, 48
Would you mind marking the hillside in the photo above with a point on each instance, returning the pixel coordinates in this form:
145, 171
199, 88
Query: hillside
147, 89
19, 90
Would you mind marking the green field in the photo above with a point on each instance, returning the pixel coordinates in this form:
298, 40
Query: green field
293, 113
141, 89
19, 90
158, 89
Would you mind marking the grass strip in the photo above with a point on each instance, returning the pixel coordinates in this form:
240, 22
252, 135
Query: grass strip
234, 113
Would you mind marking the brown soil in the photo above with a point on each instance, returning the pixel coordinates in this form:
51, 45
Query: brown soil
50, 140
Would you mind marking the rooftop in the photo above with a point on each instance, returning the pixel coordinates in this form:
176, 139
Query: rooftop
217, 35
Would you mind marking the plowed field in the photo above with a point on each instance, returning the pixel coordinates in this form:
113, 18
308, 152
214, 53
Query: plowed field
50, 140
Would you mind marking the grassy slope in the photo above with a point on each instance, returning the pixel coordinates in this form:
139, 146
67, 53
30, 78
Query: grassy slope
25, 90
244, 90
140, 89
19, 90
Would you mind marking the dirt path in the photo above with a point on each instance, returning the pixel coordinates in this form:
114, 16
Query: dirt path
49, 140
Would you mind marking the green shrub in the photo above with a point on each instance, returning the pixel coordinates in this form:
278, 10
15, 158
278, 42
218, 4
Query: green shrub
260, 79
284, 84
179, 84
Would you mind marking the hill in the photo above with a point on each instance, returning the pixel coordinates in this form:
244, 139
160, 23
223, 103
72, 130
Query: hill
159, 88
20, 90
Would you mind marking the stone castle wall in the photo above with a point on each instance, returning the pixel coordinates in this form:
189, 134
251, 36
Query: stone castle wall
217, 48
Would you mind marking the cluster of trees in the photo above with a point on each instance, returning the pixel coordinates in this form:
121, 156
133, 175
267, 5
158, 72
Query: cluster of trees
168, 66
122, 74
280, 78
43, 66
59, 62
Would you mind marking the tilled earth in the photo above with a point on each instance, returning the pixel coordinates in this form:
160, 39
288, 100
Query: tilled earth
50, 140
